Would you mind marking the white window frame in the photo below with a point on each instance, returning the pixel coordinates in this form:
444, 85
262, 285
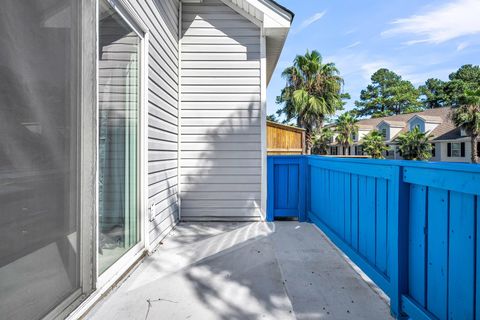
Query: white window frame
456, 147
86, 157
93, 285
121, 266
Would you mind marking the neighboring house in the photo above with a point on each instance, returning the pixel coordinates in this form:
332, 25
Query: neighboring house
115, 124
284, 139
449, 142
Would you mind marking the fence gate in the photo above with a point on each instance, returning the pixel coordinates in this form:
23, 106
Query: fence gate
286, 194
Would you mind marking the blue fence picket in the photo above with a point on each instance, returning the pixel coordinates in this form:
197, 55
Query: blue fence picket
417, 243
381, 227
461, 257
354, 213
367, 217
437, 260
347, 209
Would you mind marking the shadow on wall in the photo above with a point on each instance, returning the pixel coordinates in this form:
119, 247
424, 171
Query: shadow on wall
221, 114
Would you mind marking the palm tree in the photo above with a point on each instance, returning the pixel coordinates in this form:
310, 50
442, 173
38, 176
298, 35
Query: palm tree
467, 116
312, 92
346, 127
374, 144
321, 140
415, 145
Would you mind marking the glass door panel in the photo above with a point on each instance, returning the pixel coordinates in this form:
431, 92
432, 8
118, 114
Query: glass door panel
39, 220
119, 67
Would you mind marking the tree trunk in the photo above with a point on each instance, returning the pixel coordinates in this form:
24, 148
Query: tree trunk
474, 140
308, 141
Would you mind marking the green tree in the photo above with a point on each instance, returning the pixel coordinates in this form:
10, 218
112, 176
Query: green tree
312, 92
433, 94
272, 117
345, 127
321, 140
467, 78
415, 145
467, 116
387, 95
374, 144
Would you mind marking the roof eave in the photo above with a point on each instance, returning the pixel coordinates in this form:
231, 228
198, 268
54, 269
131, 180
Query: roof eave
274, 19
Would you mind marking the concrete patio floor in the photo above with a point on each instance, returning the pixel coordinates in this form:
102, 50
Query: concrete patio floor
281, 270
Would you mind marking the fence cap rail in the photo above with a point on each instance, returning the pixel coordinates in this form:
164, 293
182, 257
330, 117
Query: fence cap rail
465, 167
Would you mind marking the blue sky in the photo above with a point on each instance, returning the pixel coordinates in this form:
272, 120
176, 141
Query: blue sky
417, 39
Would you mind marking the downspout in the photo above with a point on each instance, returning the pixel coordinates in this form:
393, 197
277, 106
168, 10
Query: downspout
179, 112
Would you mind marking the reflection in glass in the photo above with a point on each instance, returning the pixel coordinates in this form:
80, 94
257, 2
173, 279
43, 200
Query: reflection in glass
118, 71
39, 252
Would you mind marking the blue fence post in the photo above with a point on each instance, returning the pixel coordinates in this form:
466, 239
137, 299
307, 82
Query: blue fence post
302, 188
270, 189
398, 224
308, 186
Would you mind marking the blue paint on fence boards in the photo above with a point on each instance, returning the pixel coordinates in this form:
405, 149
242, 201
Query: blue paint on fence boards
461, 257
381, 225
411, 226
286, 187
417, 244
477, 261
354, 213
437, 260
348, 208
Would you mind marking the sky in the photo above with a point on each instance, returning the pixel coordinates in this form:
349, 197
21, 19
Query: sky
418, 39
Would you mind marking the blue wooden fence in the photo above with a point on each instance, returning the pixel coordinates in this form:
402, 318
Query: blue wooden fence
411, 226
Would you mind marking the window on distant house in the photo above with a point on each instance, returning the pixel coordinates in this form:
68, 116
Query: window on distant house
383, 131
433, 149
456, 149
354, 136
333, 151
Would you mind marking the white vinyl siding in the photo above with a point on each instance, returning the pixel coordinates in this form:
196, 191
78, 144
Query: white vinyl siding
221, 114
161, 19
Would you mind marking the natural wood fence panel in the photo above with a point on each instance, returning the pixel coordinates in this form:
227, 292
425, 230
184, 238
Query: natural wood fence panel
283, 139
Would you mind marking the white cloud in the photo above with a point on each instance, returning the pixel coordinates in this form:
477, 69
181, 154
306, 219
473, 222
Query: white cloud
463, 46
362, 65
351, 31
310, 20
455, 19
370, 68
353, 45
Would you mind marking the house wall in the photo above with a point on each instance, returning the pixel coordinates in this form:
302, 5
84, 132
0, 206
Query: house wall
161, 19
444, 152
361, 134
438, 151
394, 131
430, 126
221, 161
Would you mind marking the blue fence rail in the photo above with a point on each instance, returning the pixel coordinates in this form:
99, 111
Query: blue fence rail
411, 226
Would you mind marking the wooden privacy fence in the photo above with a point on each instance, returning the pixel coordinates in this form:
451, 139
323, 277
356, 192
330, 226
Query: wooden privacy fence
283, 139
412, 227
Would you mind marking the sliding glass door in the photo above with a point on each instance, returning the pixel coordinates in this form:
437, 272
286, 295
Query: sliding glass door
119, 82
39, 216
